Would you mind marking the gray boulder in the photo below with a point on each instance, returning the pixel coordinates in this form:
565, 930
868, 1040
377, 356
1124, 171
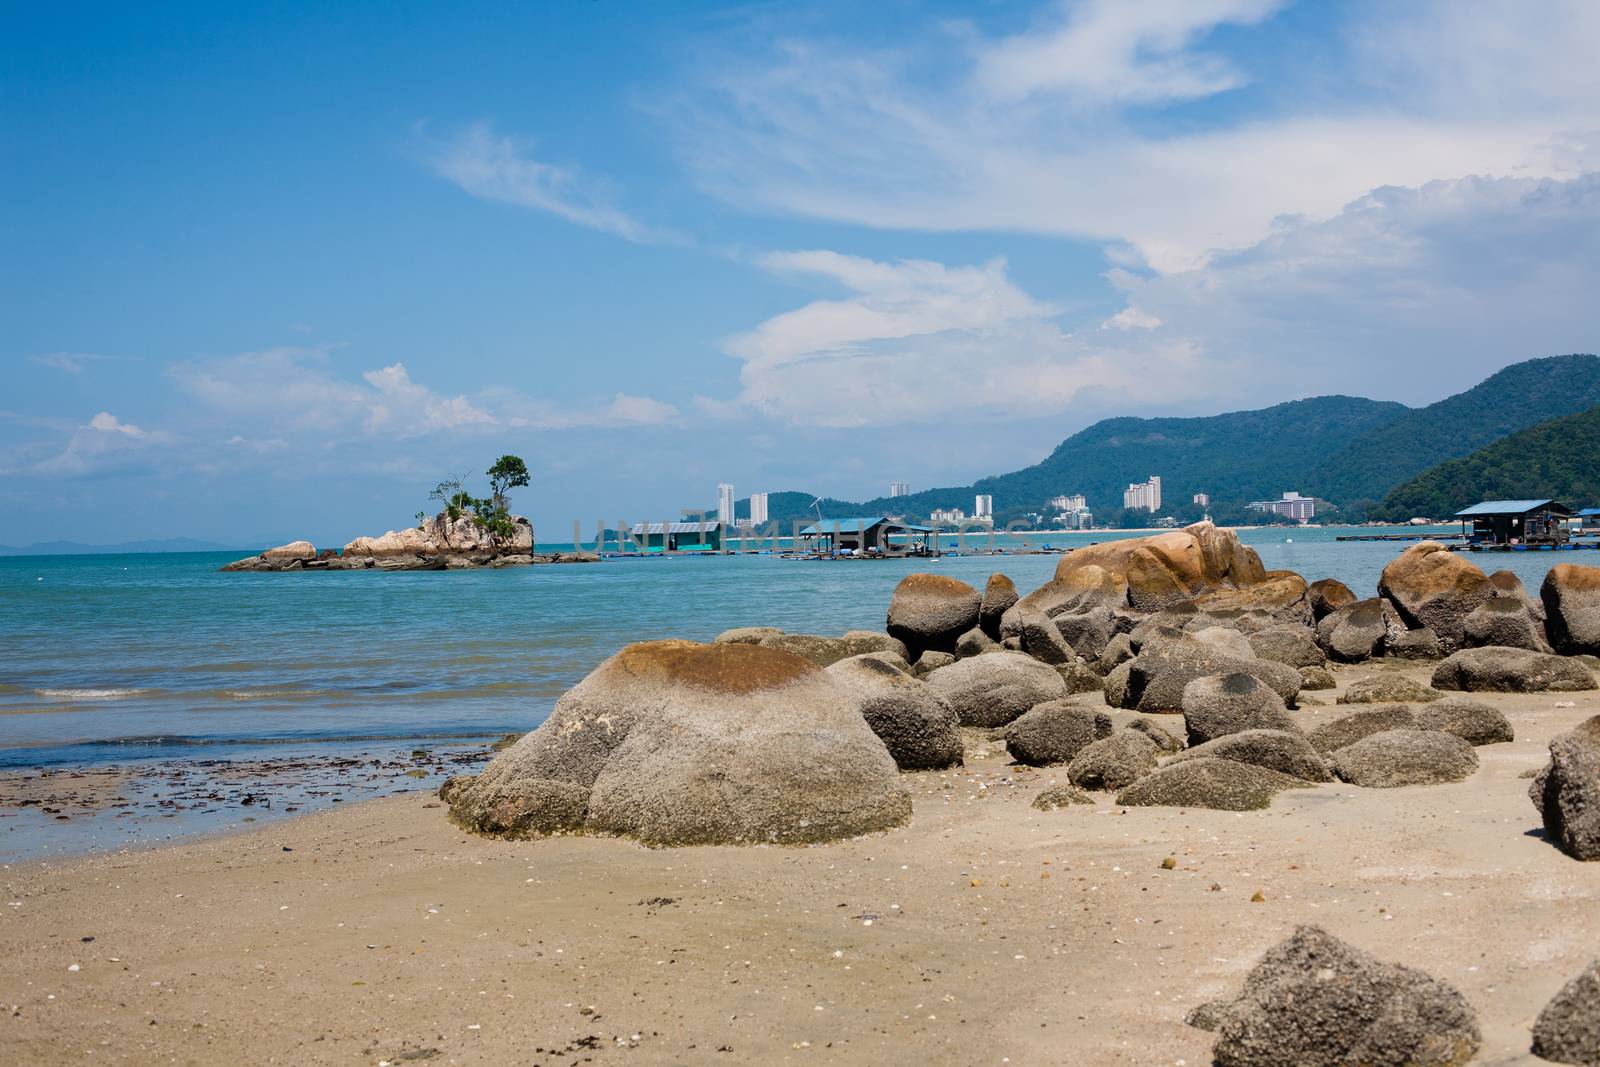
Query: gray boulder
893, 659
1388, 689
1431, 586
746, 635
1061, 796
1568, 1029
975, 643
1276, 750
1165, 740
1113, 762
823, 651
1055, 732
1115, 684
1571, 598
1295, 646
1332, 736
1316, 679
1159, 674
1506, 622
999, 594
1089, 631
916, 724
860, 641
1474, 722
1041, 639
1080, 677
1117, 651
1228, 641
1405, 757
1356, 632
929, 611
929, 662
1421, 643
1567, 791
994, 689
1314, 1001
1221, 704
677, 743
1209, 782
1511, 670
1328, 595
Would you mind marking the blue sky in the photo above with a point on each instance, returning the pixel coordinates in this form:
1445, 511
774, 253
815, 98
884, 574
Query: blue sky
271, 270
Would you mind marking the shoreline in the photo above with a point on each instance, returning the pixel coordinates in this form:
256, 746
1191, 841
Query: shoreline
983, 930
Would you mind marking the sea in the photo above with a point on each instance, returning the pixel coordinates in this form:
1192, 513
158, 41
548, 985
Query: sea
162, 661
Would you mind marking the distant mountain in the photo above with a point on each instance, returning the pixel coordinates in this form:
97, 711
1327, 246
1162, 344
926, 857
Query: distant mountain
77, 548
1520, 396
1559, 460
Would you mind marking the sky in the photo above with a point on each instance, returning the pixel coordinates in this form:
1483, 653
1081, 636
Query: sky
273, 270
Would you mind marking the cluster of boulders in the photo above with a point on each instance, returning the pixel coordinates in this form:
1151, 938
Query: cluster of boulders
440, 543
1316, 1001
718, 746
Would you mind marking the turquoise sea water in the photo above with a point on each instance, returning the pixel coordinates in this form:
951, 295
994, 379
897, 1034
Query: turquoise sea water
116, 658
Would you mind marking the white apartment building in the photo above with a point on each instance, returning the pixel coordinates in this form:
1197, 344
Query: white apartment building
1291, 505
725, 504
899, 489
1143, 495
758, 508
983, 507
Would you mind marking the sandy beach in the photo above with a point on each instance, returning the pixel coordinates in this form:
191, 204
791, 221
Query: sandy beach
985, 932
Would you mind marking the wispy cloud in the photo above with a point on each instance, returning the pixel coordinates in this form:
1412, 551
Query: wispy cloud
102, 445
74, 363
495, 166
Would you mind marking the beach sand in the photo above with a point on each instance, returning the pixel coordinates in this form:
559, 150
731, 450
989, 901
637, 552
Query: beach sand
984, 933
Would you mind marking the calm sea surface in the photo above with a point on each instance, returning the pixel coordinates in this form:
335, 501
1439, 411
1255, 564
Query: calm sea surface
116, 658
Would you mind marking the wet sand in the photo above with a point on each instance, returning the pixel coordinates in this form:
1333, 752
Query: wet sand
983, 933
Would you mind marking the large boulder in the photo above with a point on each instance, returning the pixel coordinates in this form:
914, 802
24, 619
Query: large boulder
994, 689
1511, 670
929, 662
999, 594
1357, 631
1571, 597
746, 635
1220, 704
1388, 689
1328, 595
1088, 632
1506, 622
1295, 646
1277, 750
1474, 722
929, 611
1332, 736
1280, 596
975, 642
677, 743
1165, 739
1224, 639
1209, 782
1113, 762
1405, 757
1041, 639
915, 723
1061, 796
1314, 1001
1568, 1029
1567, 791
1158, 675
292, 550
1420, 643
1118, 650
1317, 678
826, 651
1055, 732
1431, 586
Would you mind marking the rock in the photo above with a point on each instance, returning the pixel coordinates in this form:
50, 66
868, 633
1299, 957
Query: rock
1474, 722
1116, 685
1206, 1016
1042, 641
1209, 782
993, 690
1332, 736
1505, 585
1166, 740
1431, 586
915, 723
860, 641
676, 743
975, 643
1276, 750
1328, 595
1227, 641
1221, 704
1568, 1029
1158, 675
1405, 757
1087, 631
1055, 732
292, 550
1506, 622
1356, 632
823, 651
1279, 596
1388, 689
1567, 791
1061, 796
930, 611
892, 659
1118, 650
929, 662
1314, 1001
999, 594
1315, 678
1571, 597
1294, 646
443, 536
1080, 678
1113, 762
1511, 670
1421, 643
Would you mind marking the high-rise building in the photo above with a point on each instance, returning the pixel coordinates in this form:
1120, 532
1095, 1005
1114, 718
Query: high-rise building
941, 516
983, 507
899, 489
725, 504
1291, 505
1203, 499
1071, 502
1143, 495
758, 508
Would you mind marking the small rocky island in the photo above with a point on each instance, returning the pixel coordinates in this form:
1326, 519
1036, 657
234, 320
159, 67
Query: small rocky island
466, 532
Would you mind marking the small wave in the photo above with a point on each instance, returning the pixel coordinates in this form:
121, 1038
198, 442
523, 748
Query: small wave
266, 694
88, 694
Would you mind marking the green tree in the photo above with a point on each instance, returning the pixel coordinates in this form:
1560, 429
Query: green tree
508, 472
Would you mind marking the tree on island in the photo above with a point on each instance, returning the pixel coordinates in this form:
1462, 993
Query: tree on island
491, 514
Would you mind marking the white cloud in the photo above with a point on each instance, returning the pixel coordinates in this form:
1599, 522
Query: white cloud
105, 422
406, 407
103, 444
74, 363
494, 166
